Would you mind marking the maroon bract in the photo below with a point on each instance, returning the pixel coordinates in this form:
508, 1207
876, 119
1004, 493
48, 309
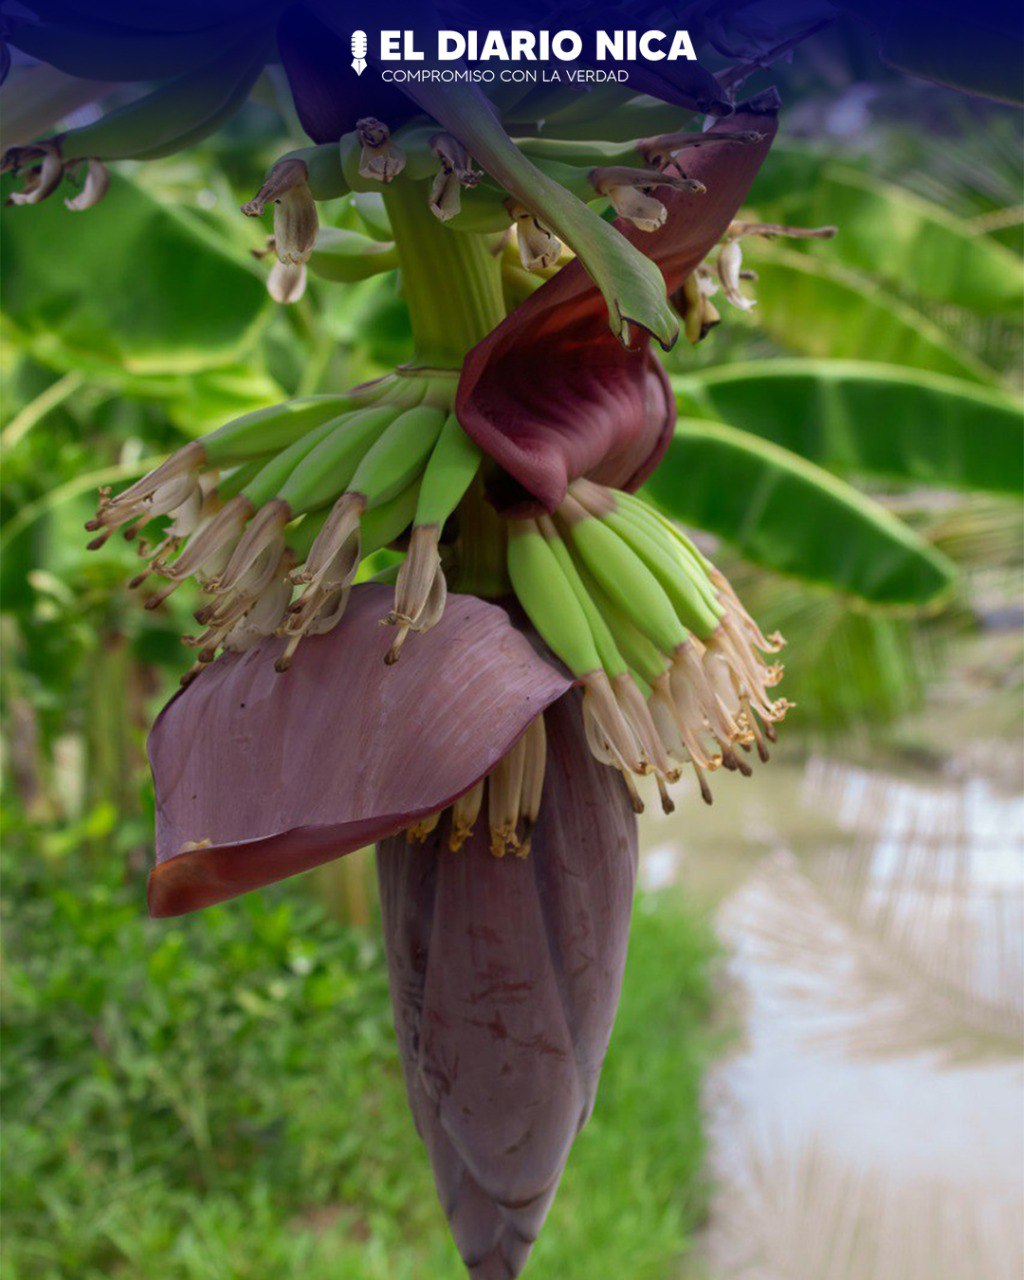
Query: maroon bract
505, 978
260, 776
551, 395
328, 98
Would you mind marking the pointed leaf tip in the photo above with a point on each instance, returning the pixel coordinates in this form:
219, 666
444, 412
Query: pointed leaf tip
505, 977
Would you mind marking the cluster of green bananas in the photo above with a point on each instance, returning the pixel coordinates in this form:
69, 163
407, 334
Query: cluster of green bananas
273, 513
180, 113
670, 662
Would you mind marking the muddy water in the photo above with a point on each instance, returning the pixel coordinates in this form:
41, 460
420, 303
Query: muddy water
868, 1123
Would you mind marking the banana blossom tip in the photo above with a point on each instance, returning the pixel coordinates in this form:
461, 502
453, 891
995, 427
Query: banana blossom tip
505, 978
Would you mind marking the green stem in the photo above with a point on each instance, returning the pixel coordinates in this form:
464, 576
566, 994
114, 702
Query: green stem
482, 546
25, 419
632, 283
451, 281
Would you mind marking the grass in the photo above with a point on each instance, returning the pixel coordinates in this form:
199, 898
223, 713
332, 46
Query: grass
219, 1098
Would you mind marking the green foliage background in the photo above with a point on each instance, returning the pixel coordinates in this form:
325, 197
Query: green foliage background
221, 1096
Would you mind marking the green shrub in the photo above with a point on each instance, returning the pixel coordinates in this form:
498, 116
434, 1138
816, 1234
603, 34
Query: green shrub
219, 1098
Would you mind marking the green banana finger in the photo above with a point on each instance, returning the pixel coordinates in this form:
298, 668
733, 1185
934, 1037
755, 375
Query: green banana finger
439, 389
275, 474
175, 110
401, 390
607, 650
268, 430
420, 587
387, 577
372, 213
549, 603
398, 456
624, 576
644, 657
347, 256
236, 480
323, 168
388, 521
378, 528
668, 535
696, 612
448, 474
588, 155
654, 517
681, 568
414, 141
326, 470
617, 695
483, 210
680, 550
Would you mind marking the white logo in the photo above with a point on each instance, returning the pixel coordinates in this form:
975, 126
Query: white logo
359, 52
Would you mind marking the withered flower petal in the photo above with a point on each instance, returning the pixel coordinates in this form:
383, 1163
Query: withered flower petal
551, 395
260, 776
505, 978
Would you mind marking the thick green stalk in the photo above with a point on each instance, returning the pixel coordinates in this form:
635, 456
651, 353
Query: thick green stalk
451, 281
632, 284
482, 547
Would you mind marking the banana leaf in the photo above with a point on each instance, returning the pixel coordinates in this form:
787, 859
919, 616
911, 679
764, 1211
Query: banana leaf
795, 167
855, 664
909, 243
788, 515
820, 308
976, 48
870, 419
132, 285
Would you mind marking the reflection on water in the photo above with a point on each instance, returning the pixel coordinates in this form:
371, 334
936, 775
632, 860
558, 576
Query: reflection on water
870, 1123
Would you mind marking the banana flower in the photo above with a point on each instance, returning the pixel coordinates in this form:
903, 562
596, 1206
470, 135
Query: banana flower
550, 394
505, 973
495, 764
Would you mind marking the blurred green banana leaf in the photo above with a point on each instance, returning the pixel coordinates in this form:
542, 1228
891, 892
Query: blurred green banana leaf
203, 401
912, 245
136, 286
794, 167
824, 309
788, 515
852, 662
881, 420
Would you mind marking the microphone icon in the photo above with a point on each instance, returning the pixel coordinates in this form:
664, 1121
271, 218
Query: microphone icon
359, 52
